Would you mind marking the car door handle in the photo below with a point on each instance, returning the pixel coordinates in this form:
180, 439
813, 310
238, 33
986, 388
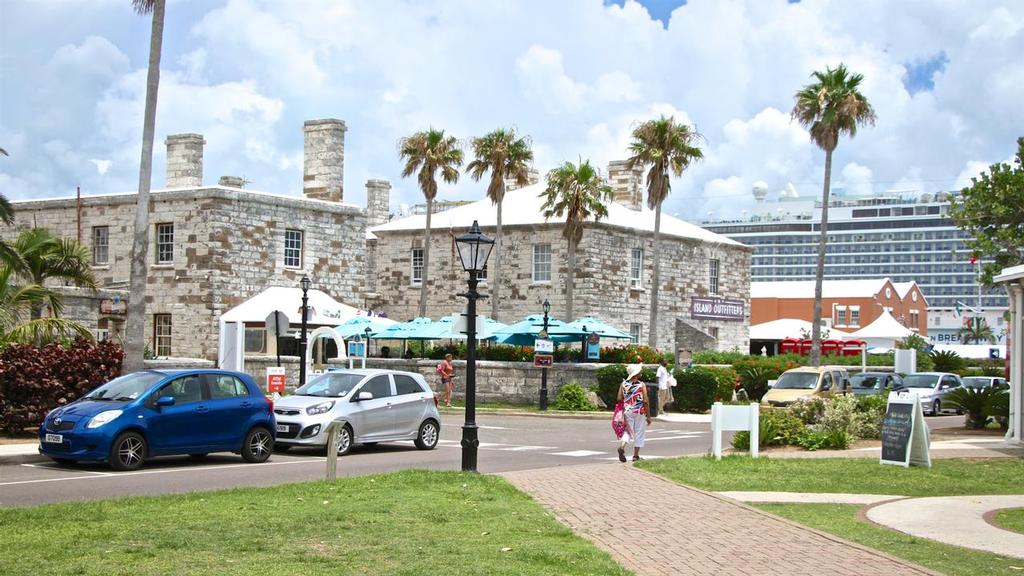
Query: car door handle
246, 404
202, 409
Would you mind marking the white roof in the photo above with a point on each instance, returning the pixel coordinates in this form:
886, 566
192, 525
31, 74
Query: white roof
1010, 274
324, 310
829, 288
790, 328
884, 327
903, 288
522, 207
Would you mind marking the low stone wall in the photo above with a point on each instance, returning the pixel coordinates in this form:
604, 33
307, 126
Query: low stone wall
495, 381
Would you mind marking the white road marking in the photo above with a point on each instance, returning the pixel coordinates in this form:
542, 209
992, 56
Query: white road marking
684, 437
162, 471
526, 448
577, 453
50, 467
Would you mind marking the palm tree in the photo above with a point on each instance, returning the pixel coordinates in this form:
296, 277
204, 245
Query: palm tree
135, 331
829, 107
424, 154
506, 157
977, 331
18, 301
665, 146
8, 255
45, 256
6, 210
578, 192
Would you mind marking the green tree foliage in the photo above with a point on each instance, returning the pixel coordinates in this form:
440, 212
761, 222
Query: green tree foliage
831, 106
976, 331
947, 361
45, 257
507, 157
991, 211
425, 154
578, 192
667, 147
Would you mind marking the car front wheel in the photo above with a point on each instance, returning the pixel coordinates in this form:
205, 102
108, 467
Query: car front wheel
344, 440
128, 451
936, 408
257, 446
428, 436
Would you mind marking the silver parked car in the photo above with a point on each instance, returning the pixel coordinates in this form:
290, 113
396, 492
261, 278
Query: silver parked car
932, 388
980, 382
374, 405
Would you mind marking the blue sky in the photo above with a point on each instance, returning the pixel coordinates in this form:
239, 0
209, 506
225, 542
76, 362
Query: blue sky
575, 75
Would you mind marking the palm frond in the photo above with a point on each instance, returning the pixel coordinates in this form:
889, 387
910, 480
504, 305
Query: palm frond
46, 330
143, 7
665, 147
832, 106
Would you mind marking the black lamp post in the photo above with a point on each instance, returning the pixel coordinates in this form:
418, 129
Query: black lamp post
474, 249
367, 331
544, 371
302, 338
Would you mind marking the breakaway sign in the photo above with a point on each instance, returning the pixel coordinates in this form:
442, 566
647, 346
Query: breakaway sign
904, 433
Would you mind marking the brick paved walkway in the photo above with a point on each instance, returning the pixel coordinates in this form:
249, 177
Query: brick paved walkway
672, 529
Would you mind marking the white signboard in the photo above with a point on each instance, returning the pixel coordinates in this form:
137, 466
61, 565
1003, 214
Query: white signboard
460, 325
904, 433
735, 418
541, 346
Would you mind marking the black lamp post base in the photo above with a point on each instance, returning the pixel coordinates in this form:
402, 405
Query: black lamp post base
470, 444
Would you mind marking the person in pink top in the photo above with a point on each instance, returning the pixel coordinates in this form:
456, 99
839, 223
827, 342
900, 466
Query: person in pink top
635, 403
447, 372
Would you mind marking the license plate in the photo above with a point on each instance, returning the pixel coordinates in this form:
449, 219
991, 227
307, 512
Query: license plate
55, 438
282, 427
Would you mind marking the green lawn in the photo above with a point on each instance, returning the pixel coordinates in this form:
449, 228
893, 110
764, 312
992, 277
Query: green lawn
852, 475
841, 520
1011, 519
413, 522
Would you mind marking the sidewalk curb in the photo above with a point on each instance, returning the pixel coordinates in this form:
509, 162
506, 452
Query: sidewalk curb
28, 458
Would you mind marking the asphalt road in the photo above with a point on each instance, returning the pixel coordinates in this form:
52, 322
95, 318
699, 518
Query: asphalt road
507, 443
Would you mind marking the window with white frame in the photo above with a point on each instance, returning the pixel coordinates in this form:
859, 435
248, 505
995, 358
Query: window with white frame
840, 315
542, 262
417, 266
102, 330
636, 267
256, 340
635, 333
713, 275
854, 316
162, 334
165, 243
100, 245
915, 317
293, 248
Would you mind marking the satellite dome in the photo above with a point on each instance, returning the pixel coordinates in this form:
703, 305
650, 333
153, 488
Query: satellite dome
789, 191
925, 198
760, 190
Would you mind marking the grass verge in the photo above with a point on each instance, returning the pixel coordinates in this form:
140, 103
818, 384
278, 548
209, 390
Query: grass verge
413, 522
849, 475
841, 520
1011, 519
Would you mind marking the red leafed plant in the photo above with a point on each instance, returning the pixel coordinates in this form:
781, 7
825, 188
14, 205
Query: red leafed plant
34, 380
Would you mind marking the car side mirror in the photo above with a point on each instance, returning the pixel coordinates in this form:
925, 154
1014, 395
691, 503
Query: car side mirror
164, 401
365, 396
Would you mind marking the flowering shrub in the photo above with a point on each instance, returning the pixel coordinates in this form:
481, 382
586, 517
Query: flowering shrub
633, 353
809, 411
573, 397
695, 390
34, 380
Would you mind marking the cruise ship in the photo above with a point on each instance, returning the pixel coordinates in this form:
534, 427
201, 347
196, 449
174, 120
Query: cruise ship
899, 235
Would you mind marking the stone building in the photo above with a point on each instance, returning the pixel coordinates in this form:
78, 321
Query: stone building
214, 246
701, 270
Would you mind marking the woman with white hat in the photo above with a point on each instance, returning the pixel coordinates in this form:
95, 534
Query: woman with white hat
633, 395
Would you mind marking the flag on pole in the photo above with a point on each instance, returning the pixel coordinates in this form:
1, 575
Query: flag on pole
974, 259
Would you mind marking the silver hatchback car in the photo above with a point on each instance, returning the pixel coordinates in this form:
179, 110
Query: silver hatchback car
374, 405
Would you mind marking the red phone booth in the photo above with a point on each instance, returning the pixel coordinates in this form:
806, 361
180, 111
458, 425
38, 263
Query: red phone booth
789, 346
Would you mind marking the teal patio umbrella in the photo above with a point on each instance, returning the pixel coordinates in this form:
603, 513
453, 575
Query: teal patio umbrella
357, 326
590, 325
524, 332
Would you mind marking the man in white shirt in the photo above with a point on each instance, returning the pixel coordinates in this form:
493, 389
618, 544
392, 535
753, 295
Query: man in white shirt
665, 383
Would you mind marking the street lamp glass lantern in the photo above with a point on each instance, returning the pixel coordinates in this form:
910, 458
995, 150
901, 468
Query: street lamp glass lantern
547, 306
474, 249
305, 283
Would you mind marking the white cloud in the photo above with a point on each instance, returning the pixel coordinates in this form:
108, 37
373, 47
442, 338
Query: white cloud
856, 179
101, 165
544, 80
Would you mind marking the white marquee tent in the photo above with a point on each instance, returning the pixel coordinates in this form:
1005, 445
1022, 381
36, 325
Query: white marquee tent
791, 328
883, 332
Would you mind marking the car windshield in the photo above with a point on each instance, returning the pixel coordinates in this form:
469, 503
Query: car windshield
332, 385
797, 381
866, 381
920, 381
977, 382
125, 388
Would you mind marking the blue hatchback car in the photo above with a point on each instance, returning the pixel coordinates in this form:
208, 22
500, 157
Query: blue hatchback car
162, 412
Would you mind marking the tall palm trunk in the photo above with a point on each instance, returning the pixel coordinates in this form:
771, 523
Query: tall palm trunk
494, 273
652, 335
570, 285
135, 331
819, 272
426, 260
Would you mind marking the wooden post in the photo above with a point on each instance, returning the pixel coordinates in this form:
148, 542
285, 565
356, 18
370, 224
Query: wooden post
332, 449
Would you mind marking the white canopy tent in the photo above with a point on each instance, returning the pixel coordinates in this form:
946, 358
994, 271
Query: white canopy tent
883, 332
791, 328
323, 311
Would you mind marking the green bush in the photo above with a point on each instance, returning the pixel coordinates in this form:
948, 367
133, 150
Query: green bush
726, 379
946, 361
715, 357
824, 440
609, 378
573, 397
695, 390
972, 402
868, 415
776, 427
998, 408
809, 411
838, 415
633, 353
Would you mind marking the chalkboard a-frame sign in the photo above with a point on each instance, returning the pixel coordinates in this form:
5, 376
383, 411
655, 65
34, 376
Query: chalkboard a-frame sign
904, 433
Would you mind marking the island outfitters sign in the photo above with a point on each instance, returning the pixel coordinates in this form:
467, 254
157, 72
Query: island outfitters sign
717, 309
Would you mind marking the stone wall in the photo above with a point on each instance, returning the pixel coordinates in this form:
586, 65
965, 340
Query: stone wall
184, 160
228, 247
89, 308
628, 185
323, 175
495, 381
602, 283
